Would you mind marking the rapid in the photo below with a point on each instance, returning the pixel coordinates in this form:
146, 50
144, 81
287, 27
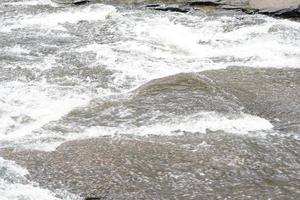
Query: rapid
222, 83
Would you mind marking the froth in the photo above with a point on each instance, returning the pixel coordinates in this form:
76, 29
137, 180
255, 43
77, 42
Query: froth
197, 123
201, 122
57, 19
14, 185
39, 104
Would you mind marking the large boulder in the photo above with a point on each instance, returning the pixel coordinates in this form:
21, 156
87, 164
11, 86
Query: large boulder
274, 5
280, 8
273, 94
199, 165
277, 8
191, 167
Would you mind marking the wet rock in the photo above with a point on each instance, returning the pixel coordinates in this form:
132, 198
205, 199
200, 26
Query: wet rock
273, 94
285, 13
205, 165
81, 2
287, 9
171, 8
141, 2
164, 167
108, 168
156, 101
273, 5
277, 8
204, 3
73, 2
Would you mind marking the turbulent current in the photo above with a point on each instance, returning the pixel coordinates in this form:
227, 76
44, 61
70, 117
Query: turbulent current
120, 101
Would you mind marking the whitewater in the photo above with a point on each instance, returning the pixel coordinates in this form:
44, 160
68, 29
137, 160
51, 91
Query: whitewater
59, 64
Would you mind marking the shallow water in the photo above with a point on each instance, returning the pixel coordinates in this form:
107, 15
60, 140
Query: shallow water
70, 72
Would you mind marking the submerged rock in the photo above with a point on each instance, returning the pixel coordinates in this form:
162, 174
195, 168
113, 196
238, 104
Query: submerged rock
73, 2
273, 94
81, 2
202, 166
172, 8
204, 3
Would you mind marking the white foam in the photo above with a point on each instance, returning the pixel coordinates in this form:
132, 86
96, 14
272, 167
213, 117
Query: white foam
18, 187
12, 168
19, 191
157, 46
26, 107
17, 49
201, 122
254, 42
55, 21
244, 124
150, 47
31, 3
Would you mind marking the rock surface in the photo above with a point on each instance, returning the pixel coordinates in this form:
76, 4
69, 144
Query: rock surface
205, 166
278, 8
202, 165
273, 94
273, 5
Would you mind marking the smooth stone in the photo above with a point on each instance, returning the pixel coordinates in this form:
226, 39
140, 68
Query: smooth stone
81, 2
204, 3
274, 5
73, 2
171, 8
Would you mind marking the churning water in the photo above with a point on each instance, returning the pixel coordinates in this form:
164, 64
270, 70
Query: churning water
69, 72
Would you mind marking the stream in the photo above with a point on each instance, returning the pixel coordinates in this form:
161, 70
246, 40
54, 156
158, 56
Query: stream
211, 97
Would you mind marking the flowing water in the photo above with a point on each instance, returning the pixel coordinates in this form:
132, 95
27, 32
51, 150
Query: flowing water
78, 72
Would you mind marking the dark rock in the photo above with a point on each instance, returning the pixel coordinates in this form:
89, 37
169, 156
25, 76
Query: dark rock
171, 8
81, 2
153, 5
275, 8
284, 13
73, 2
204, 3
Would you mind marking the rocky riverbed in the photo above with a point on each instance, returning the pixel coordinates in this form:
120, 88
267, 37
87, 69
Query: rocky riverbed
277, 8
149, 99
188, 165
